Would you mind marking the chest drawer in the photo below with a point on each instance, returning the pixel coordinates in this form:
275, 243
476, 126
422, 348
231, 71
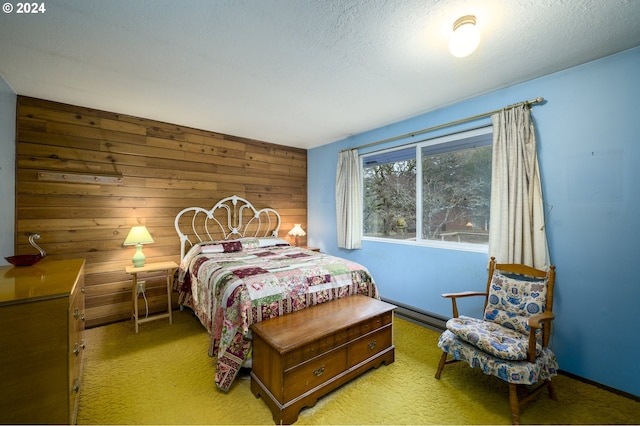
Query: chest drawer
369, 345
311, 374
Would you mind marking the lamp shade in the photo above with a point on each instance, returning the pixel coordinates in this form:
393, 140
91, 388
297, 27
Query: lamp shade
297, 231
138, 235
465, 37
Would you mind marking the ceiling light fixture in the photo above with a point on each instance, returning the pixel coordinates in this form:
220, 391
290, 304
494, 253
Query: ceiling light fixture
465, 37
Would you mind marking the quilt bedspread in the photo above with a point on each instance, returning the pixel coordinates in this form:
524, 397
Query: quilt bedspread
231, 285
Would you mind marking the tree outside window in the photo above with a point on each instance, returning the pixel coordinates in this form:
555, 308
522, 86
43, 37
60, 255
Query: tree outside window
454, 189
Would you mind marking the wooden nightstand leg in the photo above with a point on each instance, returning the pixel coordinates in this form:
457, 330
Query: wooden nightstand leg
134, 292
169, 277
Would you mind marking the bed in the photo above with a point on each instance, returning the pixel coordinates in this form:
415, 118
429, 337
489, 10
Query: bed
236, 271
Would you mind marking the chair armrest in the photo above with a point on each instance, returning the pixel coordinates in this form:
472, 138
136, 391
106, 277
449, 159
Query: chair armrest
465, 294
454, 296
534, 322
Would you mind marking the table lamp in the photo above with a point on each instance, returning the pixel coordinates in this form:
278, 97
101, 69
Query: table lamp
138, 235
297, 231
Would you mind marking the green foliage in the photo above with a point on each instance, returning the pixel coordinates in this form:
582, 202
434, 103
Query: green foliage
390, 195
456, 189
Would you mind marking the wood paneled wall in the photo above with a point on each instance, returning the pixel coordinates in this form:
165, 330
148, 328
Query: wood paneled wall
84, 177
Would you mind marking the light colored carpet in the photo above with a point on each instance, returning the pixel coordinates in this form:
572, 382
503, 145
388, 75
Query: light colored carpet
163, 375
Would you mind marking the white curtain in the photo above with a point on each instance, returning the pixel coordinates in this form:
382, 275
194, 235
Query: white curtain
517, 232
348, 196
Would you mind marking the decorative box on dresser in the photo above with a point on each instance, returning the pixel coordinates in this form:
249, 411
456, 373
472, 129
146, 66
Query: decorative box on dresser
41, 341
301, 356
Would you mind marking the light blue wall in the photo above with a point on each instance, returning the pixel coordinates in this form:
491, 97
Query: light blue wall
589, 154
7, 169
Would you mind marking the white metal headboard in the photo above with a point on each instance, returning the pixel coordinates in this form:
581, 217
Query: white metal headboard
231, 217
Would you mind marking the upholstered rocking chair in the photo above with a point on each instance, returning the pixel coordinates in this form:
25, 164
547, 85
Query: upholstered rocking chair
511, 341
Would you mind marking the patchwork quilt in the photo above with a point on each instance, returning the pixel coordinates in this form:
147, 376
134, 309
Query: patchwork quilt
231, 285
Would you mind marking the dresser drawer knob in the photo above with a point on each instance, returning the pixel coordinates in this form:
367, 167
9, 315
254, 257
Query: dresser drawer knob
318, 372
372, 344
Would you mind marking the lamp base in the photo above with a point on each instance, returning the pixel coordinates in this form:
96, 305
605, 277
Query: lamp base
139, 257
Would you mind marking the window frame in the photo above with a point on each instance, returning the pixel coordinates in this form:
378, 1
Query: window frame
418, 146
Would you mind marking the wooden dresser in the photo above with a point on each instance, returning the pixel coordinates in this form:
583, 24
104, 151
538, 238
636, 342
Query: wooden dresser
41, 341
302, 356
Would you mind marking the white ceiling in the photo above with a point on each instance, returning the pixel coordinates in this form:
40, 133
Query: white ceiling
295, 72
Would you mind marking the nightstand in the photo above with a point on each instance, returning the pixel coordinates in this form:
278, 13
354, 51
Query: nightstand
310, 248
169, 268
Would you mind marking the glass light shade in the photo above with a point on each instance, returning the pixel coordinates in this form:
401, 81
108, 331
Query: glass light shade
297, 231
138, 235
465, 37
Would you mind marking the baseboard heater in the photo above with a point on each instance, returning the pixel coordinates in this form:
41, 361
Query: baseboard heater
411, 313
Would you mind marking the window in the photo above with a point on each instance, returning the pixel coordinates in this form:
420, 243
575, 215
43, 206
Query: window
445, 182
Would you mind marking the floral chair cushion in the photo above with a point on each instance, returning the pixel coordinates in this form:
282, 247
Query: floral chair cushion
492, 338
513, 300
519, 372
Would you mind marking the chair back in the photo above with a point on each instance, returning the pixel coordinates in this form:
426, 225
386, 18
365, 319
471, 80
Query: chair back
515, 292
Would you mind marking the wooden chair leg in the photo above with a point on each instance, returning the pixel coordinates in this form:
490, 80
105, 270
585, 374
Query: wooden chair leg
443, 361
551, 390
514, 404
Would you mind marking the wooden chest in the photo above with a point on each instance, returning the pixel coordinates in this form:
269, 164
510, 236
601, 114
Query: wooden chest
299, 357
41, 341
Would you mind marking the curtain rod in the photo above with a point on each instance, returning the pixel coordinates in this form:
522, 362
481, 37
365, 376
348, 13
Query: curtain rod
451, 123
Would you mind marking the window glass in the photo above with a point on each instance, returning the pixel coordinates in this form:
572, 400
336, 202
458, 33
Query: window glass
389, 182
446, 182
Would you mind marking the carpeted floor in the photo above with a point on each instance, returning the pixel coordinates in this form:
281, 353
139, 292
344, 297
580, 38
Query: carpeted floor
163, 375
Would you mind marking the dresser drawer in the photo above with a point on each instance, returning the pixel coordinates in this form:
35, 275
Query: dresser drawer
76, 344
369, 345
313, 373
41, 326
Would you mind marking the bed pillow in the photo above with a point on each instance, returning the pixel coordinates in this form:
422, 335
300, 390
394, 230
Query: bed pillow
221, 246
260, 242
231, 246
213, 248
271, 242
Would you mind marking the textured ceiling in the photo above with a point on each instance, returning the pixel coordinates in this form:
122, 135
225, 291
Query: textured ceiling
296, 72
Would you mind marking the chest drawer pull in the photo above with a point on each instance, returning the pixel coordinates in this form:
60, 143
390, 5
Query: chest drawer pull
318, 372
372, 344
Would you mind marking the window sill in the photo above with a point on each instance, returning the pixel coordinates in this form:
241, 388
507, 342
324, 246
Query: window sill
445, 245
